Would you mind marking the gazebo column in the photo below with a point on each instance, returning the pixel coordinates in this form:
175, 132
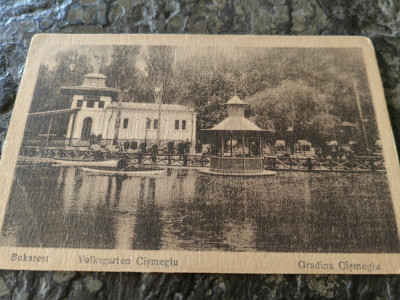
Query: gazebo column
231, 143
243, 146
262, 152
244, 156
222, 145
249, 143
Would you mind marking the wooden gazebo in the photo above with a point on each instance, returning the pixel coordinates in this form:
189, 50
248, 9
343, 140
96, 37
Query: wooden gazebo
237, 144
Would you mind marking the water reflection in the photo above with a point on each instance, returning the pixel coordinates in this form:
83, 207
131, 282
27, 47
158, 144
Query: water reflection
184, 210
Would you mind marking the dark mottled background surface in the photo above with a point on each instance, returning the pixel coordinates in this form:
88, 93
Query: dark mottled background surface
20, 20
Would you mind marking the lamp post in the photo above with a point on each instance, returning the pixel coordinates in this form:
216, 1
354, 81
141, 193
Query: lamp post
158, 95
290, 139
118, 118
362, 120
145, 136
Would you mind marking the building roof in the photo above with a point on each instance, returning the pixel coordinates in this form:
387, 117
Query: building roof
348, 124
236, 124
54, 112
96, 75
89, 90
235, 100
150, 106
93, 84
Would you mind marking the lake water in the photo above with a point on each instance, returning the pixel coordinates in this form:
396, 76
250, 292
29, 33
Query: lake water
186, 210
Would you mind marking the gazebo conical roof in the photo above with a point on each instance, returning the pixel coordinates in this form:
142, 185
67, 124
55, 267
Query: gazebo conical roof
235, 100
236, 123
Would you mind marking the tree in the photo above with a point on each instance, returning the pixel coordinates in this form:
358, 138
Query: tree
285, 87
291, 104
323, 127
122, 71
70, 68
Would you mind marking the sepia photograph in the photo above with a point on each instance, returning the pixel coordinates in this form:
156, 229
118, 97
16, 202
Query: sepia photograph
212, 148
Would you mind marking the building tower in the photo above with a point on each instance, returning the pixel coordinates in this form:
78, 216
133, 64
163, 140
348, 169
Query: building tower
89, 102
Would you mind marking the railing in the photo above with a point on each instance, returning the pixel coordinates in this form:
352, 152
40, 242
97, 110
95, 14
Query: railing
45, 141
356, 164
129, 145
236, 164
101, 155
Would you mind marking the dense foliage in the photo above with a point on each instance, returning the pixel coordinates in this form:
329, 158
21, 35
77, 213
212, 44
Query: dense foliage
309, 90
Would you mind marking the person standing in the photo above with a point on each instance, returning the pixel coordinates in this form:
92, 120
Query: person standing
187, 147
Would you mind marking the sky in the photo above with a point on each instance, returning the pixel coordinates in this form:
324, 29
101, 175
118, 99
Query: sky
181, 54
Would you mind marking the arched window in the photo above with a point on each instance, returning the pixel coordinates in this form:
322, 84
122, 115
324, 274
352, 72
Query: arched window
86, 128
148, 123
176, 124
183, 124
126, 121
155, 124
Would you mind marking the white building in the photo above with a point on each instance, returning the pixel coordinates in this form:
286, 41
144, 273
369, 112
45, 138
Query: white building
94, 119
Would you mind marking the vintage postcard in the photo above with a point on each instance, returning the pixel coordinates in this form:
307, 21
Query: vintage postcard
180, 153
